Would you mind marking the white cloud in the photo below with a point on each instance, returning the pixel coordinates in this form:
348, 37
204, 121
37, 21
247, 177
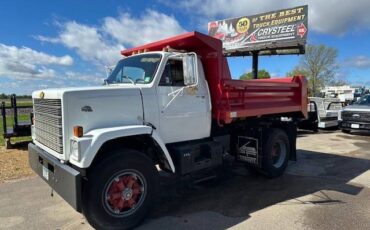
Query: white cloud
97, 45
25, 54
360, 62
89, 79
103, 43
88, 43
150, 26
26, 63
325, 16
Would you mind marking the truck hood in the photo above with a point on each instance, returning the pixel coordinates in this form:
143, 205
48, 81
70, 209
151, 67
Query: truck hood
94, 108
355, 107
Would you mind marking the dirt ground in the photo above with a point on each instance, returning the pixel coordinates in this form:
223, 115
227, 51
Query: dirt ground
14, 164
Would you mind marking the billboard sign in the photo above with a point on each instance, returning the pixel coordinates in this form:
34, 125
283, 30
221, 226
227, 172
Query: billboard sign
273, 30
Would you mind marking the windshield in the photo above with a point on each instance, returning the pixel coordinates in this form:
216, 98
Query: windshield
135, 69
365, 100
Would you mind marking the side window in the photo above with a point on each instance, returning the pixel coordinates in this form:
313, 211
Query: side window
173, 74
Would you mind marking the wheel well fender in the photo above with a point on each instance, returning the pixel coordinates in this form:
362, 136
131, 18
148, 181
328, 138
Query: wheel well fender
141, 138
158, 139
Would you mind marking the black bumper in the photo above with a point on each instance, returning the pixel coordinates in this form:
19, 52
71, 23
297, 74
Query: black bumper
346, 125
65, 180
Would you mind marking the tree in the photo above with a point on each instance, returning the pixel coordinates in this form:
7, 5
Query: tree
4, 96
262, 74
319, 66
297, 71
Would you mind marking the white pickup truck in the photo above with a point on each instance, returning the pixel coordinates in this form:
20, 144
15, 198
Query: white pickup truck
356, 117
169, 105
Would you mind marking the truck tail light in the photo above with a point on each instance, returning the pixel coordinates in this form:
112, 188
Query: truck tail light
78, 131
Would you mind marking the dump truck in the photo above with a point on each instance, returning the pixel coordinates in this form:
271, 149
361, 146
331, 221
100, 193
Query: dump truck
169, 106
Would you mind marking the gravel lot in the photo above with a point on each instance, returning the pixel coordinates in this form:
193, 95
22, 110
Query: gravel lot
14, 164
327, 188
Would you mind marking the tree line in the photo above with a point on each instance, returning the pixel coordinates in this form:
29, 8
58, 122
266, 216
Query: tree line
7, 96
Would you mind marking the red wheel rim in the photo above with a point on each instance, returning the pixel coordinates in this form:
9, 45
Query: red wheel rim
124, 193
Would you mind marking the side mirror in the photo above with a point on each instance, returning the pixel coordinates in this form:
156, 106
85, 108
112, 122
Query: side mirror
189, 66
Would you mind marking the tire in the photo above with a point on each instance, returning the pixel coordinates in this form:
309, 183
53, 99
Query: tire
131, 175
346, 131
276, 151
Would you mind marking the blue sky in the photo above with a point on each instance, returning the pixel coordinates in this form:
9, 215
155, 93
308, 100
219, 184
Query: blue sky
67, 43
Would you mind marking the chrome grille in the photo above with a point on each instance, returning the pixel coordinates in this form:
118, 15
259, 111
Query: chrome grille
48, 123
359, 116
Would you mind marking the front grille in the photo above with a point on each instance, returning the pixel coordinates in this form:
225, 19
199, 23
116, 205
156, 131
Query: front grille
48, 123
358, 116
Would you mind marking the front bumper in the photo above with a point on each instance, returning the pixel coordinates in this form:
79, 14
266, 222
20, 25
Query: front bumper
327, 124
347, 125
62, 178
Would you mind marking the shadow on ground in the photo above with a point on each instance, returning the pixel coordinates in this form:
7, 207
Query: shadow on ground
21, 145
238, 194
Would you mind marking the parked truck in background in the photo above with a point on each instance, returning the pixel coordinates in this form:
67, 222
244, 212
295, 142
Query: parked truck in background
170, 105
322, 114
356, 117
345, 93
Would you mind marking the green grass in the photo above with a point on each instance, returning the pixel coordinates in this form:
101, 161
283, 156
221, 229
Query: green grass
20, 102
9, 123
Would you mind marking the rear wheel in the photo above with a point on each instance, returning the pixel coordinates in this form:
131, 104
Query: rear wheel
276, 151
120, 191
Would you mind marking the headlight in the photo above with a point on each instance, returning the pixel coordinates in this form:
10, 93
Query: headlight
340, 115
75, 150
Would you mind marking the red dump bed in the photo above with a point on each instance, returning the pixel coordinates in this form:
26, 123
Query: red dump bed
233, 99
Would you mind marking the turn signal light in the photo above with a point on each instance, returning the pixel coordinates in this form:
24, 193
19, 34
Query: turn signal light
78, 131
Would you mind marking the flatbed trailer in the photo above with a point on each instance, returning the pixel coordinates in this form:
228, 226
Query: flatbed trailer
17, 128
322, 113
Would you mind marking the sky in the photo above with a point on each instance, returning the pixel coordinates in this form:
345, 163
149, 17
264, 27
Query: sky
48, 44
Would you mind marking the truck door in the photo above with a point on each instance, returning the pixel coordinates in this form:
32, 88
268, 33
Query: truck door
188, 115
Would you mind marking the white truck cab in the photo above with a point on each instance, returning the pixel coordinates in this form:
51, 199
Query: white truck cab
154, 94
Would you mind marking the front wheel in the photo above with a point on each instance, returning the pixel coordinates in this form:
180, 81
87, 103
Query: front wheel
120, 191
